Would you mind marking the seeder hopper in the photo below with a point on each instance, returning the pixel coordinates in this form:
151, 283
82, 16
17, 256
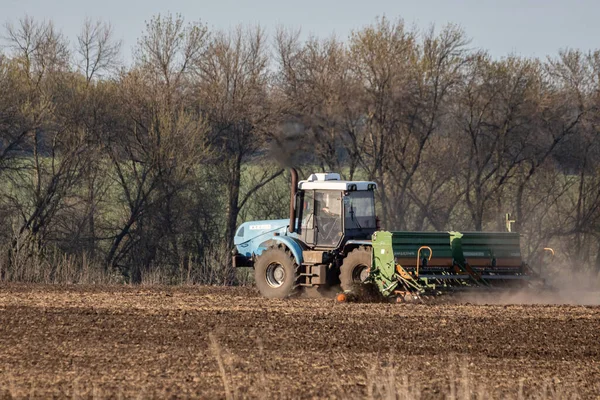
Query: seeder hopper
410, 264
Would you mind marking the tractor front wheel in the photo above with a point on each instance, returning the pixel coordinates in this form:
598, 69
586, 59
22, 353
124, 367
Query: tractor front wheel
355, 268
275, 272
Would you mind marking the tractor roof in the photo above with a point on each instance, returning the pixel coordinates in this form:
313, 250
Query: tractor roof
332, 181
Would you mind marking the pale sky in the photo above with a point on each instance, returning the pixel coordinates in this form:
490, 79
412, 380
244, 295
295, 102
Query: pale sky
523, 27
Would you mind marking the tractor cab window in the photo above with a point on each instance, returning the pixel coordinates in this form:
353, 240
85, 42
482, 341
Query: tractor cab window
328, 213
359, 210
307, 210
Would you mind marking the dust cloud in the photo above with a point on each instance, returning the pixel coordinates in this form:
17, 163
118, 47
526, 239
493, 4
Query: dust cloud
559, 288
563, 287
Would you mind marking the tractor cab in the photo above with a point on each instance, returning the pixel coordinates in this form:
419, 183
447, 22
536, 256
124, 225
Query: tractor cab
329, 211
326, 240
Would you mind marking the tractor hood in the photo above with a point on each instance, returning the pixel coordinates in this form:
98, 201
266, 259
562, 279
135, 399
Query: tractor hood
250, 235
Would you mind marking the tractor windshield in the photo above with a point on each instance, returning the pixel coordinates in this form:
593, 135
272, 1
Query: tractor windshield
359, 210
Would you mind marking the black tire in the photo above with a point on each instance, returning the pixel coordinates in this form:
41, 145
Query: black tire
355, 268
276, 273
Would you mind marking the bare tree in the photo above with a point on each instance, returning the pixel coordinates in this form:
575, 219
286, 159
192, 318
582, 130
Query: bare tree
380, 59
576, 77
561, 116
170, 47
51, 154
318, 92
435, 72
406, 78
36, 52
161, 141
38, 47
497, 112
14, 126
96, 49
232, 83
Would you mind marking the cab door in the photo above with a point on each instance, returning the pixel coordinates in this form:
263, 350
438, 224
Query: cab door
328, 218
307, 217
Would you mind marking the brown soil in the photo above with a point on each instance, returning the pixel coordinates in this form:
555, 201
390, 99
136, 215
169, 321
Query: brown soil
204, 342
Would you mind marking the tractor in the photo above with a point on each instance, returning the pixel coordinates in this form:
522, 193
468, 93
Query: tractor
332, 238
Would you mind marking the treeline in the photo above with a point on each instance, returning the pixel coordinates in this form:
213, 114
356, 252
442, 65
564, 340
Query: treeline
132, 172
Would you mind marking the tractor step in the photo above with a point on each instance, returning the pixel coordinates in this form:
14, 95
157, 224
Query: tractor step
314, 275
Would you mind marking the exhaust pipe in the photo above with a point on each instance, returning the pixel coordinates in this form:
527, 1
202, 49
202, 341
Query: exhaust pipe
294, 188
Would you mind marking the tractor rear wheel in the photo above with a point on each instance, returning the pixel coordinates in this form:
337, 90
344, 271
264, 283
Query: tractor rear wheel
355, 268
276, 272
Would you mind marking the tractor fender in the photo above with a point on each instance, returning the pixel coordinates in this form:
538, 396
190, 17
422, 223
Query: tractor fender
292, 244
353, 244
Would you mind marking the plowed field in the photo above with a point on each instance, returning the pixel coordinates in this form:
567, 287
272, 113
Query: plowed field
213, 342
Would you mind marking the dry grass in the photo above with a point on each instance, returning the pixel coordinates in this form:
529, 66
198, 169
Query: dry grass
54, 268
59, 268
389, 382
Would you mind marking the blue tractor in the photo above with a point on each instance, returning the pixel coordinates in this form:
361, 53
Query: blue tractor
326, 241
